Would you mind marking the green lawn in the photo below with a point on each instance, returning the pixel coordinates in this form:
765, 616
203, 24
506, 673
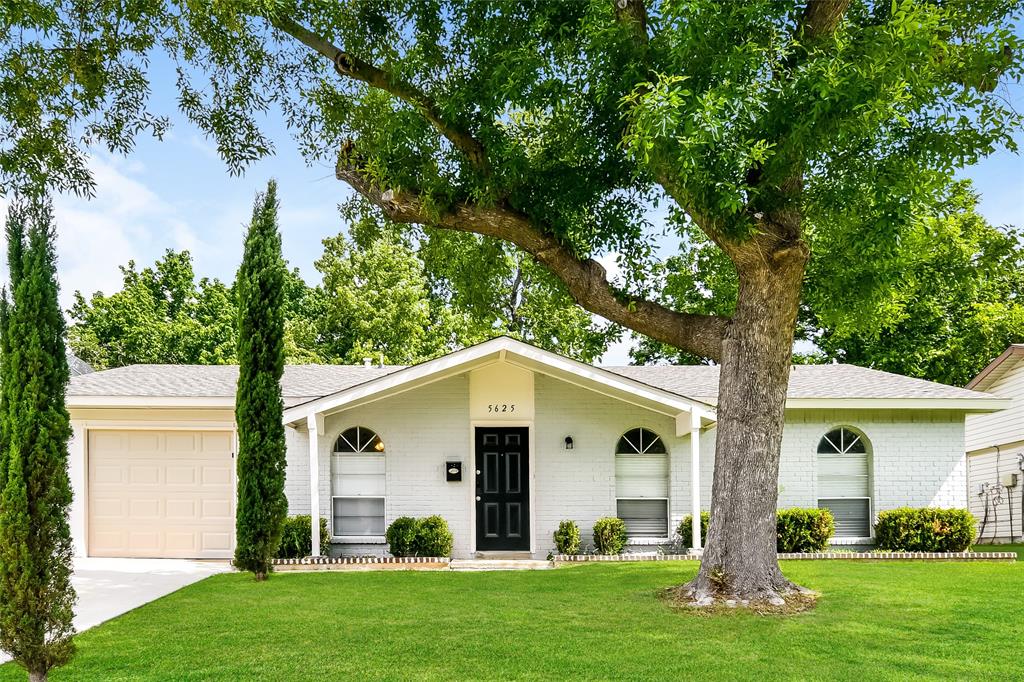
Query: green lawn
875, 621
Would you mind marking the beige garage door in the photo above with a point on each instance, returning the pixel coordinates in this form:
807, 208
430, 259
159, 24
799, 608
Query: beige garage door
161, 494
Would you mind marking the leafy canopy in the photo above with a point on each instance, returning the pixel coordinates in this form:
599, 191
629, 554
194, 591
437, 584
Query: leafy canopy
577, 115
958, 301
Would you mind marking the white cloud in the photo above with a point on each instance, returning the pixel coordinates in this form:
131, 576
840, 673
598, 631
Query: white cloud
126, 220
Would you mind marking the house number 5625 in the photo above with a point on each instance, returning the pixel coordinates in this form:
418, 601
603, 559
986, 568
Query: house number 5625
501, 407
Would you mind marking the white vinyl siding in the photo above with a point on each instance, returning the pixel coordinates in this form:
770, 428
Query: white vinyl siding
844, 482
1005, 426
642, 493
358, 494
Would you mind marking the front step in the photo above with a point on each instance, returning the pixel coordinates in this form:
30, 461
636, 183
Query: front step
499, 565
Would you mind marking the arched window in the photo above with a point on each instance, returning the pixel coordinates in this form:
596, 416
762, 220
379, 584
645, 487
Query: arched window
357, 483
641, 484
844, 481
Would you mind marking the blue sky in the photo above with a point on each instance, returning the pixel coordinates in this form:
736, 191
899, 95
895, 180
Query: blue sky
177, 194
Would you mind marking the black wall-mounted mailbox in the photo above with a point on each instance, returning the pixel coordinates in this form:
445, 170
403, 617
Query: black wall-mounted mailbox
453, 471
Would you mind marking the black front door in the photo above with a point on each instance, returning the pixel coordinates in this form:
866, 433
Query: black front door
502, 488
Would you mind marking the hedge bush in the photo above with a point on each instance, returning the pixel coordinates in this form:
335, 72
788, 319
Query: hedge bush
797, 529
609, 535
685, 529
433, 537
567, 538
296, 539
803, 529
925, 529
401, 536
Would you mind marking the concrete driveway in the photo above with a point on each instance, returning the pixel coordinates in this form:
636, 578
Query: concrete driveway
109, 587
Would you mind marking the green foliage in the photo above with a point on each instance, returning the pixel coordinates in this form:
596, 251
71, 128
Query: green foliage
721, 101
377, 299
925, 529
609, 535
401, 536
958, 302
161, 315
685, 529
36, 595
433, 539
297, 540
567, 538
262, 505
797, 529
804, 529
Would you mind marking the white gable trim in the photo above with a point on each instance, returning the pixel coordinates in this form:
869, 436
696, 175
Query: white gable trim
509, 350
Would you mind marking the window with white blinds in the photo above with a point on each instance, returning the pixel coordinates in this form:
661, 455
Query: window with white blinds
358, 484
641, 484
844, 481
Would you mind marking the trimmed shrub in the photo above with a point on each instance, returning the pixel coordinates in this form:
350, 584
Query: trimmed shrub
401, 536
567, 538
433, 537
685, 529
609, 535
296, 540
797, 529
801, 529
925, 529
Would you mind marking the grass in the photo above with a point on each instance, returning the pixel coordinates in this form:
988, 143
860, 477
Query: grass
598, 621
1017, 547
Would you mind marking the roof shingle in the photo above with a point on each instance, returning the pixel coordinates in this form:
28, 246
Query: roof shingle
306, 382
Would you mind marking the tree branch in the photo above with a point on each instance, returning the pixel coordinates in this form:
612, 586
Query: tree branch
585, 278
350, 66
821, 17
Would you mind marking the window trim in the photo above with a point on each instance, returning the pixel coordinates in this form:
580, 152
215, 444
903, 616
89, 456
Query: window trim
359, 538
366, 451
869, 455
631, 539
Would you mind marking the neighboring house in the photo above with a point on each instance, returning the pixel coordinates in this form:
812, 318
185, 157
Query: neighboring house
503, 440
995, 451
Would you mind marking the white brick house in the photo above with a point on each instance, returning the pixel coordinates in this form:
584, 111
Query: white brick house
503, 440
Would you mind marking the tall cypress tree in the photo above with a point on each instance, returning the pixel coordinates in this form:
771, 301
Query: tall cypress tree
36, 595
259, 409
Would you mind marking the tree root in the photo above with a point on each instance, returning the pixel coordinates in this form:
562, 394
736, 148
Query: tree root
787, 598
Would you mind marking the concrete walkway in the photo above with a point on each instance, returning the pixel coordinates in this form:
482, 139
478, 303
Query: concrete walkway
109, 587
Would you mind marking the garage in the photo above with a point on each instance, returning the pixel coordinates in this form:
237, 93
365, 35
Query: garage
160, 493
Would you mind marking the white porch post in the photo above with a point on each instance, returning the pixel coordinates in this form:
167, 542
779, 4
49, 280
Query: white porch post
315, 426
695, 477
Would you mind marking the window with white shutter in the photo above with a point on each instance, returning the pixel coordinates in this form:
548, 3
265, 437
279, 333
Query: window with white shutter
641, 484
844, 481
357, 484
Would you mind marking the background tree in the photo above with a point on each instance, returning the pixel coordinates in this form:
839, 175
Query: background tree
778, 127
36, 595
161, 315
259, 408
958, 302
378, 298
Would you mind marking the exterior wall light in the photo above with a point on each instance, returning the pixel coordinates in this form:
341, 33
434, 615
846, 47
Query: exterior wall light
568, 442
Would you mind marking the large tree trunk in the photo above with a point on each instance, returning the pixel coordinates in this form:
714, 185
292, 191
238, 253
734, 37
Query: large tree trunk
740, 561
37, 676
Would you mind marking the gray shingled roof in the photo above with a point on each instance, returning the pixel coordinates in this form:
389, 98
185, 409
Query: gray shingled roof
299, 384
306, 382
805, 381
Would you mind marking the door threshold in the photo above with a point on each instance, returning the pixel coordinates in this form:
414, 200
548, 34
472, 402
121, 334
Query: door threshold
504, 554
